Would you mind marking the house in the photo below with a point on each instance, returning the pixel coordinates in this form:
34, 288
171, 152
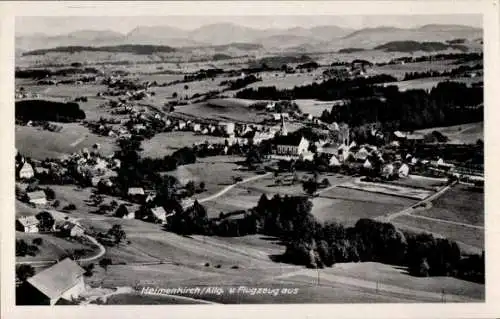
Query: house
26, 171
139, 128
151, 196
367, 164
69, 229
334, 161
27, 224
290, 145
135, 191
227, 127
388, 171
160, 214
362, 154
403, 171
37, 198
196, 127
64, 280
181, 125
41, 170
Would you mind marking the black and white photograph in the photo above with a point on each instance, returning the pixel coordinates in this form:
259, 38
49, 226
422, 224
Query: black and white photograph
249, 159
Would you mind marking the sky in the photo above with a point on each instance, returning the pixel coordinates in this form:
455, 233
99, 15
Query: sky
65, 24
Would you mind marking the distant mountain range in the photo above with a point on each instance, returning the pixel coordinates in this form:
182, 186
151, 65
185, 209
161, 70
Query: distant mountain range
299, 39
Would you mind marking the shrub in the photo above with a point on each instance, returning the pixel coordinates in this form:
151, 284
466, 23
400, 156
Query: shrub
37, 241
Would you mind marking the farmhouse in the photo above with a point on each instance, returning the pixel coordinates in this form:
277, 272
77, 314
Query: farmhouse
160, 214
334, 161
27, 224
64, 280
362, 154
227, 127
37, 198
290, 145
135, 191
69, 229
26, 171
403, 170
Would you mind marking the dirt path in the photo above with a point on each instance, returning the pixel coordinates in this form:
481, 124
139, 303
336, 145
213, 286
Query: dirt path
101, 252
227, 189
78, 141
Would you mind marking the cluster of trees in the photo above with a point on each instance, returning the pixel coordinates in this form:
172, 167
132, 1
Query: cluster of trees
459, 58
313, 244
456, 72
42, 110
142, 49
332, 89
203, 74
23, 248
45, 73
449, 103
241, 82
412, 46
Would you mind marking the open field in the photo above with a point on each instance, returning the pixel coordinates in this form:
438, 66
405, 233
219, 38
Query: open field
235, 113
163, 144
314, 107
347, 206
399, 70
460, 134
40, 144
417, 84
459, 204
139, 299
286, 81
52, 247
216, 174
469, 236
388, 189
419, 182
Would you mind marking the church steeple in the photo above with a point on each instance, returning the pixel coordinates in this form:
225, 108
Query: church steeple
283, 130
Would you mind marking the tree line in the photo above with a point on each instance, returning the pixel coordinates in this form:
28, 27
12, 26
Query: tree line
449, 103
42, 110
313, 244
332, 89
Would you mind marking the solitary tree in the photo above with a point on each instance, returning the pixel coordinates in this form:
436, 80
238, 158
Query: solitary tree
104, 263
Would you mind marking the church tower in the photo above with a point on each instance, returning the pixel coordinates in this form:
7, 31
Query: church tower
283, 130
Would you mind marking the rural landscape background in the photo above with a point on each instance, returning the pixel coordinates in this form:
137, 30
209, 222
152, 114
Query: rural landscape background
325, 159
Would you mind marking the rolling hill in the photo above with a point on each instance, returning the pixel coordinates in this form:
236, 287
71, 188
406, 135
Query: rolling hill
320, 38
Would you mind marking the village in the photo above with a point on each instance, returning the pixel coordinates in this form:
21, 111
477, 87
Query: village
353, 175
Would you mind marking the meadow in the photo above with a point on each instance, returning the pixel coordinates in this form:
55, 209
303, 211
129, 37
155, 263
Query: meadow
460, 134
40, 144
166, 143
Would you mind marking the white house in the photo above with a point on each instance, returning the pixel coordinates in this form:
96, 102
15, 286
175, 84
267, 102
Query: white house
26, 171
367, 164
135, 191
27, 224
388, 170
362, 154
334, 161
403, 171
160, 213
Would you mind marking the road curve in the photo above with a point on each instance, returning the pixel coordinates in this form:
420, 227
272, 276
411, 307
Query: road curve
227, 189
